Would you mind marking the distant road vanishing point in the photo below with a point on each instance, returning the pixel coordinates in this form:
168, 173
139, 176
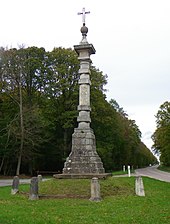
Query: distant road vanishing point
153, 172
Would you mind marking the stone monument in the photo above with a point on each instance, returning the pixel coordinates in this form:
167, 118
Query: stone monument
15, 185
139, 187
33, 195
95, 189
83, 161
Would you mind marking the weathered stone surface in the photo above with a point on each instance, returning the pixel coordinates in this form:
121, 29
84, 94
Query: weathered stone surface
84, 108
139, 187
95, 189
39, 178
15, 185
33, 195
82, 176
83, 157
89, 48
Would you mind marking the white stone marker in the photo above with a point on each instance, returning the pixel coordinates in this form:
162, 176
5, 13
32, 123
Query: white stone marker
129, 171
15, 185
39, 178
95, 190
34, 189
139, 187
123, 168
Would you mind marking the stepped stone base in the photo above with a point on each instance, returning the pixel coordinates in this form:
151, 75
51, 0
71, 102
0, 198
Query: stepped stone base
83, 158
82, 176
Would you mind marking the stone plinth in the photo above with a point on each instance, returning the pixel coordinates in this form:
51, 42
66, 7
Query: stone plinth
83, 157
82, 175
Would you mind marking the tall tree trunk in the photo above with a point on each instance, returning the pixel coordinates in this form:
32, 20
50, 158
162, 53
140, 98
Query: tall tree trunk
22, 129
2, 163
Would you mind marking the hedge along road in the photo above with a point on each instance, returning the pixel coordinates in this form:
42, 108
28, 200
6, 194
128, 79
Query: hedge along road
153, 172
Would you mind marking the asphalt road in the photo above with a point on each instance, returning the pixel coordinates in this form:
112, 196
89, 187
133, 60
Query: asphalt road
8, 182
153, 172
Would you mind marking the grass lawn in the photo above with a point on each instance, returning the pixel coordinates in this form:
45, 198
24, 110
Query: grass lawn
121, 172
119, 204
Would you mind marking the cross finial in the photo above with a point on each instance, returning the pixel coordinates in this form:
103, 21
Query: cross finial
83, 13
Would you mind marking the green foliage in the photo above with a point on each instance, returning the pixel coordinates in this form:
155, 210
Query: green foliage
38, 111
118, 138
164, 168
161, 136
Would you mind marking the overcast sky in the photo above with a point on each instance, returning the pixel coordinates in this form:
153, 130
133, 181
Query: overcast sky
131, 38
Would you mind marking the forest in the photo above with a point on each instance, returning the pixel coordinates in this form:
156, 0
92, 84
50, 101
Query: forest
38, 114
161, 136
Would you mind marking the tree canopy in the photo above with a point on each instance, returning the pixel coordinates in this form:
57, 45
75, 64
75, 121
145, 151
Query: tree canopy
38, 111
161, 136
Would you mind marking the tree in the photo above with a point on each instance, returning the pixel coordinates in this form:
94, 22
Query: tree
18, 77
161, 136
11, 77
38, 111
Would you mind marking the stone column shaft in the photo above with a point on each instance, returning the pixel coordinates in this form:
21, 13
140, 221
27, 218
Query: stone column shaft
84, 90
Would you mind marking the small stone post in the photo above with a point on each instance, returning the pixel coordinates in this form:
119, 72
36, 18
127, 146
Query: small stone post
139, 187
39, 178
123, 168
34, 189
95, 189
129, 171
15, 185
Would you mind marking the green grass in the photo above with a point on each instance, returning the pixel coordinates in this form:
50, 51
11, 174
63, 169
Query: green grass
81, 187
119, 204
164, 168
121, 172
